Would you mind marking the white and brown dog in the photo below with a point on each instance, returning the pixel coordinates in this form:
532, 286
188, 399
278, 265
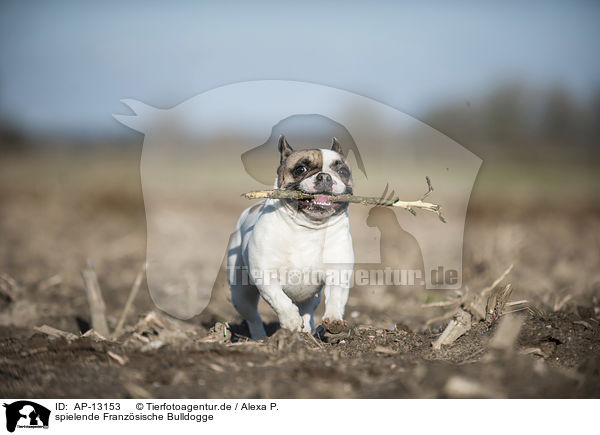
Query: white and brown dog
288, 250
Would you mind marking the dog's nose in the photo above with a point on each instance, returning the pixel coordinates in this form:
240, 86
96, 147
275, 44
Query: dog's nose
324, 181
323, 177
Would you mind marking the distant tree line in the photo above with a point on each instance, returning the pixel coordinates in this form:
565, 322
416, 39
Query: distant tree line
514, 116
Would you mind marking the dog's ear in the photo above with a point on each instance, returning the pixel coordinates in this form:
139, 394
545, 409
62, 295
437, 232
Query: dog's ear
335, 146
284, 148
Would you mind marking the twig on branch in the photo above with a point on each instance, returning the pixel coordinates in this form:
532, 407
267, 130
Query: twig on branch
390, 201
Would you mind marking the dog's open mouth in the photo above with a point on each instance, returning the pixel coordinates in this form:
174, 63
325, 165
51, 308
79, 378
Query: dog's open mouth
319, 206
318, 201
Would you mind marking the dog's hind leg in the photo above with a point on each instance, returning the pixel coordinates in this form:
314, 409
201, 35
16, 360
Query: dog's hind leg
307, 309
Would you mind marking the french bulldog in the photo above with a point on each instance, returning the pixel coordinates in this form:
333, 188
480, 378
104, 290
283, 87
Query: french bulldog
290, 251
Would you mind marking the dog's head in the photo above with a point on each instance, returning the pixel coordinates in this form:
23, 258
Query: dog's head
317, 171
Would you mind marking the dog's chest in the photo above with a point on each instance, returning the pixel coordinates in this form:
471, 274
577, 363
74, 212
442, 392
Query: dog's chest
300, 265
299, 257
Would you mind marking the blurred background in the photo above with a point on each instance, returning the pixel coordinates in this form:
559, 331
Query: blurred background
517, 84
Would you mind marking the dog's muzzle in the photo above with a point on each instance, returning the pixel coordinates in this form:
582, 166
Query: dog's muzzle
323, 182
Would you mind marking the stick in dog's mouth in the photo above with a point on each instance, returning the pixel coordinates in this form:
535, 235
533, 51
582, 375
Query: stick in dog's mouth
323, 200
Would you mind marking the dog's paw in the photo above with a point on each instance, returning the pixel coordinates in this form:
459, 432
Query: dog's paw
307, 323
291, 321
335, 326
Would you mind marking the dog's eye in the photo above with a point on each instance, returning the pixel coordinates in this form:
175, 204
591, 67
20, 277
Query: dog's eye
344, 172
299, 170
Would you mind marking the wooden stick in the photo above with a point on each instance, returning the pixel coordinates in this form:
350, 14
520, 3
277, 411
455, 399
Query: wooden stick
365, 200
94, 294
132, 294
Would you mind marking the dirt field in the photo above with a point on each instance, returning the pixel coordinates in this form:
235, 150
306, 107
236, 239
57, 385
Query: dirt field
58, 209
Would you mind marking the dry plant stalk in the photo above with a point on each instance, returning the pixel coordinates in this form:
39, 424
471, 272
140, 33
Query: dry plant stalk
56, 333
95, 300
459, 387
486, 290
132, 294
507, 334
8, 287
137, 391
496, 302
455, 329
122, 360
365, 200
220, 333
475, 303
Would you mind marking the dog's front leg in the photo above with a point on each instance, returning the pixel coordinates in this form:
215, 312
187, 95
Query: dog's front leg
336, 297
287, 312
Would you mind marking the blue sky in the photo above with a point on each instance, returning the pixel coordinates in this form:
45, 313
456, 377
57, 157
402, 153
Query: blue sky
65, 65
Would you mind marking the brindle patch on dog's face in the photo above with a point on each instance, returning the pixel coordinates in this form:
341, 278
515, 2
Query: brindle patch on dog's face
298, 166
298, 171
342, 169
